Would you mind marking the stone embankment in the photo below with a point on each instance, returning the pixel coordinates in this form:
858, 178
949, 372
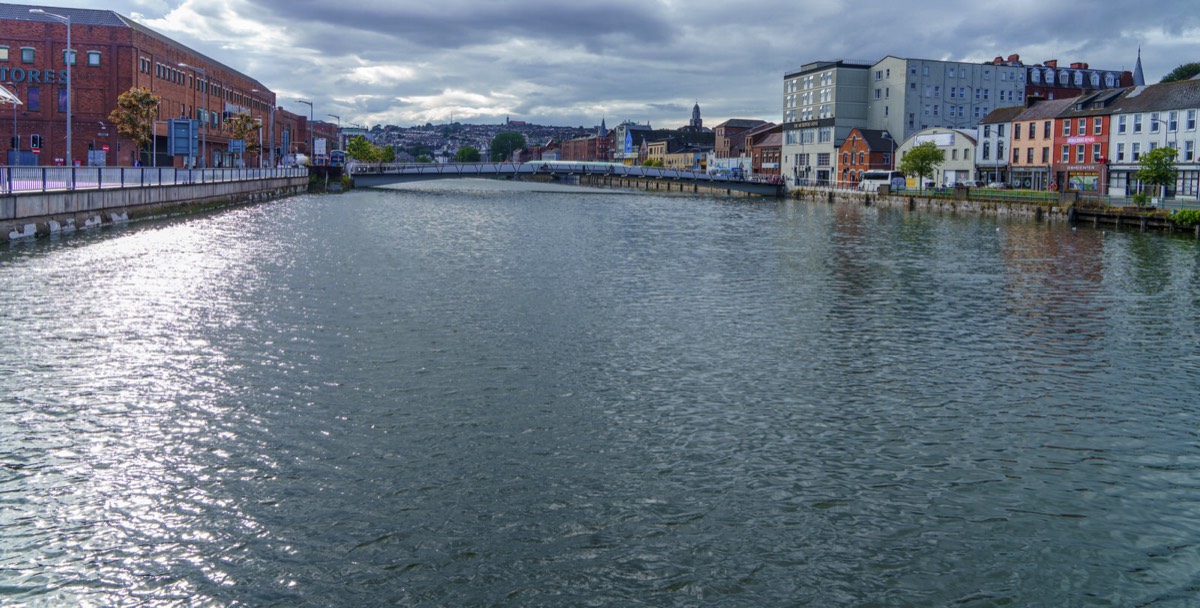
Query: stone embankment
32, 214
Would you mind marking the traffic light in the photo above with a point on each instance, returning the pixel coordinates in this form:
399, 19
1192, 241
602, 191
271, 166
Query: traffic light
35, 141
14, 142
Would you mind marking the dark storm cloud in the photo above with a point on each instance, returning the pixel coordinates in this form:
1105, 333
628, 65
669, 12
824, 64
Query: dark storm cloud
454, 24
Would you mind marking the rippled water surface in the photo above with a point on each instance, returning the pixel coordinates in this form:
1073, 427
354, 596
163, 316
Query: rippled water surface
473, 394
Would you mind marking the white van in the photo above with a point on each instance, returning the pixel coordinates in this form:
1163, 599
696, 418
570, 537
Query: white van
872, 180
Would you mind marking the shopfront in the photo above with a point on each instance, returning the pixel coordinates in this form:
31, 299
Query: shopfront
1089, 178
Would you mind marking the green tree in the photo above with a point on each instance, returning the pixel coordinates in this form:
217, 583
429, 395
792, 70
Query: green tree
922, 160
653, 162
504, 144
424, 158
1157, 168
134, 116
388, 154
467, 154
1183, 72
358, 148
245, 127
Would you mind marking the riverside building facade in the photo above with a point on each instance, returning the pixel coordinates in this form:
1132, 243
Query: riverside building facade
113, 54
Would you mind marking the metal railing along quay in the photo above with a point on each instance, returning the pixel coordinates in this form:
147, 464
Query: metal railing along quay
44, 179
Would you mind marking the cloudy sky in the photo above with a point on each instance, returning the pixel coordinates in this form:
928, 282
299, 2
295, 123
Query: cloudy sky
572, 62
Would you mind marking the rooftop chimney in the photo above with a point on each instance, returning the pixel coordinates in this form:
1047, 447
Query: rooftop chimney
1051, 63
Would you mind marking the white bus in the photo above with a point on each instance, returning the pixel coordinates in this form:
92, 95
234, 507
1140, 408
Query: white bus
872, 180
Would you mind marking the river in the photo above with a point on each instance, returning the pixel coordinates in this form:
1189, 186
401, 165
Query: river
490, 394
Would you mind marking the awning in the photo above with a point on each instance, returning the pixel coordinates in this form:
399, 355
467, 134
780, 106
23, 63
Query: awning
7, 96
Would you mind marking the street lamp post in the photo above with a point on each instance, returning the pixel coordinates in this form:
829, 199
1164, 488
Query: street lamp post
311, 137
204, 110
339, 130
271, 156
16, 140
69, 57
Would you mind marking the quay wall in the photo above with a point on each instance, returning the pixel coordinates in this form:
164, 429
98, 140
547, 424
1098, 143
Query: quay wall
29, 214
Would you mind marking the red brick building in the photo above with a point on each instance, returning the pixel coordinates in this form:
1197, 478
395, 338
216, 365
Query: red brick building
728, 137
864, 150
112, 55
766, 149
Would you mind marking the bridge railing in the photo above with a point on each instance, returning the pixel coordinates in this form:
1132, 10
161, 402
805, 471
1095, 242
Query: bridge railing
534, 168
44, 179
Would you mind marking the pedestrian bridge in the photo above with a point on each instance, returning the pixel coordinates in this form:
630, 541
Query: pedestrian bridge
368, 175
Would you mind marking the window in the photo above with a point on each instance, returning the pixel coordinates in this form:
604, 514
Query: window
999, 150
1189, 150
925, 70
1029, 156
1046, 129
1097, 126
878, 74
823, 159
1172, 121
26, 54
954, 154
1120, 152
987, 150
62, 100
69, 57
1032, 130
951, 73
878, 94
1154, 122
1136, 151
987, 130
1191, 120
1066, 153
1137, 123
845, 158
1095, 153
1082, 127
1000, 130
1067, 127
3, 53
1016, 131
1046, 154
1079, 153
34, 99
93, 58
1121, 123
1016, 155
888, 73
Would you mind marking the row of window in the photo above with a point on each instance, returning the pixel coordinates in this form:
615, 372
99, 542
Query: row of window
69, 57
1171, 121
1188, 155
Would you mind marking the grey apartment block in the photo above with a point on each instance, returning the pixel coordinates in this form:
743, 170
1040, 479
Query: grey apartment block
908, 95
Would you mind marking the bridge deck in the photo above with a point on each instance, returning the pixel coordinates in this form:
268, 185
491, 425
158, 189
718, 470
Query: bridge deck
370, 175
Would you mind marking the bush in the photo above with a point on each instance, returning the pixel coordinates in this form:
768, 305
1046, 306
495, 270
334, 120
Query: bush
1140, 199
1186, 218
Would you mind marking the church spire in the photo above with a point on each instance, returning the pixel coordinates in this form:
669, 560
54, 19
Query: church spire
1138, 78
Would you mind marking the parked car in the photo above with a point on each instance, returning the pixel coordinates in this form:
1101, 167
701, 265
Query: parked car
998, 185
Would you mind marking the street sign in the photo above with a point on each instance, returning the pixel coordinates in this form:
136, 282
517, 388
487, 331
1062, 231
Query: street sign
182, 137
105, 148
37, 150
237, 146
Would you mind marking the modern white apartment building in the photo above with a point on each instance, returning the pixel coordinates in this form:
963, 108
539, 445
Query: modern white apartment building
822, 102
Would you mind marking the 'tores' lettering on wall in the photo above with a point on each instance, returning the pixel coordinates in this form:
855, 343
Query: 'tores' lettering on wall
33, 76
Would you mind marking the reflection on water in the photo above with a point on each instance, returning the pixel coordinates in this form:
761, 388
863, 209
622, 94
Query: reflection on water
478, 394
